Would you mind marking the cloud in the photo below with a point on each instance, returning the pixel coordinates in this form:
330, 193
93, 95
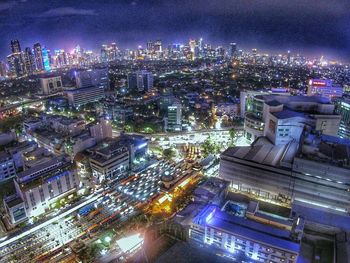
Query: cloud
67, 11
5, 6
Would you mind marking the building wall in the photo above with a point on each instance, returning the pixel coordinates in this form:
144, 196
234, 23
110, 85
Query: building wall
39, 197
7, 168
233, 243
79, 97
285, 185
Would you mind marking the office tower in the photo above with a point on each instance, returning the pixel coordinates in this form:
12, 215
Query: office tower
15, 46
80, 96
288, 57
150, 47
15, 64
220, 51
93, 77
38, 54
51, 85
114, 51
141, 81
192, 43
104, 53
29, 62
46, 59
343, 108
60, 59
232, 50
324, 88
174, 120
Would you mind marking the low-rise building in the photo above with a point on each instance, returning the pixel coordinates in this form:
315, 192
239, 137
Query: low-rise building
238, 236
42, 185
80, 96
109, 160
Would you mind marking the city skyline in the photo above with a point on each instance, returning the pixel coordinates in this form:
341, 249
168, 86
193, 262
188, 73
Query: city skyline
269, 26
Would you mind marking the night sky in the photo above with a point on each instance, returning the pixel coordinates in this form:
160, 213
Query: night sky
314, 27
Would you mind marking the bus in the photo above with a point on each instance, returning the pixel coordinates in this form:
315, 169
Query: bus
92, 228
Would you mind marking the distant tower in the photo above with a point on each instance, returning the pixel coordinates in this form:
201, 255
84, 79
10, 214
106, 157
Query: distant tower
15, 46
39, 60
233, 50
46, 59
29, 60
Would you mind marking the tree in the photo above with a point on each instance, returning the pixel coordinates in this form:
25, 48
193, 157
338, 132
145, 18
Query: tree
89, 253
210, 147
169, 153
233, 136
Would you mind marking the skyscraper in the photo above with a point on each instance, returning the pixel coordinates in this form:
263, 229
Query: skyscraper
174, 119
15, 64
140, 81
46, 59
29, 63
38, 54
15, 46
233, 50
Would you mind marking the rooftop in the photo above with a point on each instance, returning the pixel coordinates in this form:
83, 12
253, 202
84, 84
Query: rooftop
212, 216
264, 152
286, 114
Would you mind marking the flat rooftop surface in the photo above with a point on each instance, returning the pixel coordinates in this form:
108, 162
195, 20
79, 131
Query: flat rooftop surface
264, 152
183, 252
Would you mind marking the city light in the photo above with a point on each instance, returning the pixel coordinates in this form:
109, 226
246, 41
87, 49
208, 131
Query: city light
130, 243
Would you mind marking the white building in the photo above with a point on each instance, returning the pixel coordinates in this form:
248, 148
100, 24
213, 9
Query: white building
51, 85
109, 160
174, 119
268, 113
40, 186
81, 96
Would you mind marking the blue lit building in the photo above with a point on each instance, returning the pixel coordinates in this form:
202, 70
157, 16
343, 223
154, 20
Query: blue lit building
247, 237
46, 59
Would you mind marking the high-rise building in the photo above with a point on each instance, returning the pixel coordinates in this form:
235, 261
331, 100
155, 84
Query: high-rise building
38, 54
15, 46
15, 64
174, 119
343, 108
141, 81
29, 62
46, 59
233, 50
